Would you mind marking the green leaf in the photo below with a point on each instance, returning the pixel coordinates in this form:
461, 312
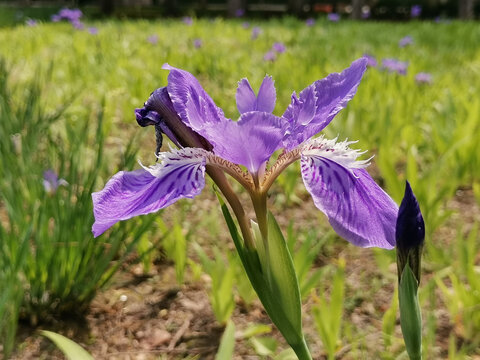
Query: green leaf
410, 316
256, 329
71, 349
227, 343
264, 346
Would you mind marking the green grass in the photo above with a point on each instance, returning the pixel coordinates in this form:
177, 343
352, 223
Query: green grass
426, 133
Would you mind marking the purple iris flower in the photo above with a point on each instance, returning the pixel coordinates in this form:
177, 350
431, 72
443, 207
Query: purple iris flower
239, 12
423, 78
366, 13
270, 56
357, 208
371, 61
187, 20
334, 17
153, 39
279, 47
51, 182
394, 65
93, 30
31, 22
77, 24
310, 22
197, 43
415, 11
407, 40
255, 32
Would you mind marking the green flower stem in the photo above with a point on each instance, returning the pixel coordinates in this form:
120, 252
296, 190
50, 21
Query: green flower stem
221, 181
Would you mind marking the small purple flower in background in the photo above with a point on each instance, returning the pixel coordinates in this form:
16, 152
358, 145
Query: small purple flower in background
423, 78
240, 12
31, 22
153, 39
333, 17
71, 15
255, 32
357, 208
270, 56
93, 30
394, 65
366, 13
279, 47
187, 20
310, 22
77, 24
51, 182
407, 40
197, 43
371, 61
415, 11
246, 25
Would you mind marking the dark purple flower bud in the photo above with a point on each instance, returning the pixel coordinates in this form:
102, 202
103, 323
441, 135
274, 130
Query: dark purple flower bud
246, 25
55, 18
409, 234
310, 22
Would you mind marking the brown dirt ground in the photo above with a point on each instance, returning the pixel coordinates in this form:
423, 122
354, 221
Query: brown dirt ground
150, 316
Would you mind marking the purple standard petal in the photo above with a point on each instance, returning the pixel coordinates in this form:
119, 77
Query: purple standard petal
318, 104
251, 140
356, 207
194, 106
265, 101
181, 174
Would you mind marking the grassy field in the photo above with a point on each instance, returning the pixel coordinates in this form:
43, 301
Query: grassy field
69, 95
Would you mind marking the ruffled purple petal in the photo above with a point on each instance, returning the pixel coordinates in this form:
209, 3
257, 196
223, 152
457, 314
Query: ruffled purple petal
357, 208
128, 194
192, 103
248, 101
318, 104
251, 140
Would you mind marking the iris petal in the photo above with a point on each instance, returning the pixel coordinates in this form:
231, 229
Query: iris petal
318, 104
248, 101
194, 106
140, 192
251, 140
357, 208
